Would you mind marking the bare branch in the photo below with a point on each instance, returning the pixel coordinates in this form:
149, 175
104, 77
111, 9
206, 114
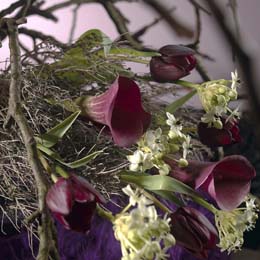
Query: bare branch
16, 112
176, 25
26, 7
39, 35
120, 23
68, 3
145, 28
11, 8
74, 23
244, 61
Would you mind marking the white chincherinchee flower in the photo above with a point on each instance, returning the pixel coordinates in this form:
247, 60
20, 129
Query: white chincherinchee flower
215, 96
231, 225
175, 131
142, 233
140, 161
235, 80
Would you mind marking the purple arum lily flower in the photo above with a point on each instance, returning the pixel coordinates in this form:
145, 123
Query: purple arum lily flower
226, 181
214, 137
193, 231
175, 62
73, 202
120, 108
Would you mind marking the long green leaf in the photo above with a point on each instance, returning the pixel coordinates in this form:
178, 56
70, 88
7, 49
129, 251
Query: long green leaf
169, 196
83, 160
158, 183
76, 164
51, 137
133, 53
179, 102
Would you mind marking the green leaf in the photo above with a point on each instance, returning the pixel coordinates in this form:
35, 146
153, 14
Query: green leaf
158, 183
133, 53
84, 160
169, 196
67, 104
51, 137
76, 164
107, 44
179, 102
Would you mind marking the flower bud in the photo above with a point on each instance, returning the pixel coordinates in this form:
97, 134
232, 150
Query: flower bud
120, 108
216, 136
193, 231
73, 202
175, 62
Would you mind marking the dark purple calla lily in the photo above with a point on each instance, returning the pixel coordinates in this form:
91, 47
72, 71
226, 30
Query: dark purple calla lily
120, 108
214, 137
226, 181
175, 62
73, 202
193, 231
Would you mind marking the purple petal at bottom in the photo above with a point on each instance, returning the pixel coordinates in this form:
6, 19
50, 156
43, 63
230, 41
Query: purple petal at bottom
98, 244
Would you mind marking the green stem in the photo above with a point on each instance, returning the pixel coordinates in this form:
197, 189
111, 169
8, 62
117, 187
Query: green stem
54, 177
186, 84
124, 58
156, 202
62, 172
105, 213
205, 204
125, 209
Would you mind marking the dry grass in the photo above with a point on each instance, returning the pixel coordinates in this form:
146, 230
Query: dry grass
17, 186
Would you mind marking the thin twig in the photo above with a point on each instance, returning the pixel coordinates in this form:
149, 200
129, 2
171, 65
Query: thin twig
11, 8
176, 25
74, 23
26, 7
39, 35
145, 28
16, 112
244, 61
120, 23
200, 7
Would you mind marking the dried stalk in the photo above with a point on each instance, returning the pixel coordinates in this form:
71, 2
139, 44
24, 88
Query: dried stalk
15, 111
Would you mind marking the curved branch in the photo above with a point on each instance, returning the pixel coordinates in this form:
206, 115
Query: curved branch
16, 112
176, 25
244, 61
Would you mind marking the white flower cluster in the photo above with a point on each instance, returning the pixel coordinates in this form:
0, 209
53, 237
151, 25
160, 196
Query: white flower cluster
232, 224
154, 145
215, 96
142, 233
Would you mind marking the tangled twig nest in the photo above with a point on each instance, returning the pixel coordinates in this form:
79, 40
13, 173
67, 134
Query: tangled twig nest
18, 191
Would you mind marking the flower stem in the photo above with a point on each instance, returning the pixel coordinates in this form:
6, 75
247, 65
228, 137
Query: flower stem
44, 162
54, 177
186, 84
62, 172
156, 202
204, 204
104, 213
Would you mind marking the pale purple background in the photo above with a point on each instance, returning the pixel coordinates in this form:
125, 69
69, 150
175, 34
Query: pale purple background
94, 16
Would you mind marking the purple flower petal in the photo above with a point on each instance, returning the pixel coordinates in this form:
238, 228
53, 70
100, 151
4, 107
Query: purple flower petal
193, 231
59, 197
226, 181
120, 108
77, 200
214, 137
175, 62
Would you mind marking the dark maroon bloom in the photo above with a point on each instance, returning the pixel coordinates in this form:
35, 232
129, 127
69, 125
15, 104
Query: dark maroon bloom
193, 231
120, 108
175, 62
73, 202
214, 137
226, 181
